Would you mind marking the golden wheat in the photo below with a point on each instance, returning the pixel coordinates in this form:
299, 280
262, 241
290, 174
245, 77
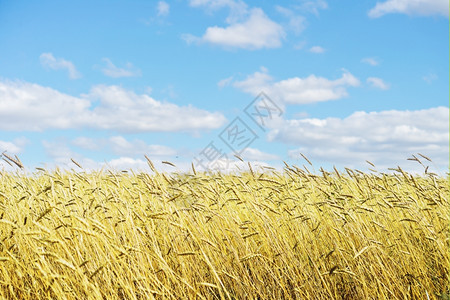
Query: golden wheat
270, 235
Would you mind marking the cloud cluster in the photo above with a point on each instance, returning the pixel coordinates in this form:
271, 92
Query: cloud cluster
119, 145
126, 154
378, 83
296, 22
385, 137
370, 61
253, 154
237, 9
113, 71
411, 7
298, 90
27, 106
49, 61
163, 9
257, 31
316, 49
246, 28
13, 147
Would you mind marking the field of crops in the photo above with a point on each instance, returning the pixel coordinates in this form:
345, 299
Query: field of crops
259, 234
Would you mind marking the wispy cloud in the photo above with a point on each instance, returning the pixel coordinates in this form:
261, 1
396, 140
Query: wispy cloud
370, 61
416, 7
163, 9
119, 145
49, 61
225, 82
312, 6
257, 155
113, 71
296, 23
429, 78
317, 49
16, 146
378, 83
238, 9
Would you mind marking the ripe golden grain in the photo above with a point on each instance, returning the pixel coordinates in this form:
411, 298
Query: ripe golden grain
295, 234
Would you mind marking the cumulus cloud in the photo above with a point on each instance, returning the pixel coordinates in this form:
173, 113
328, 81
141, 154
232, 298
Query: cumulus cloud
316, 49
113, 71
119, 145
61, 155
13, 147
370, 61
385, 138
256, 32
27, 106
238, 9
127, 163
296, 22
252, 154
49, 61
378, 83
298, 90
234, 166
163, 9
411, 7
141, 165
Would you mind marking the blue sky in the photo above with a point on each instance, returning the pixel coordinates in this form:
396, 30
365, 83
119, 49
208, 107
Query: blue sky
105, 82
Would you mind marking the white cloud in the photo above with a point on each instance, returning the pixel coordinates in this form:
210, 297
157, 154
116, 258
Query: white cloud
411, 7
385, 138
119, 145
163, 8
27, 106
9, 147
296, 22
238, 9
61, 154
126, 163
49, 61
313, 6
225, 82
256, 32
430, 78
88, 143
252, 154
378, 83
300, 45
316, 49
233, 166
298, 90
113, 71
141, 165
371, 61
13, 147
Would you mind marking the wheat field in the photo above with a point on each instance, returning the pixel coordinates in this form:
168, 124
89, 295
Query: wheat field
262, 234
